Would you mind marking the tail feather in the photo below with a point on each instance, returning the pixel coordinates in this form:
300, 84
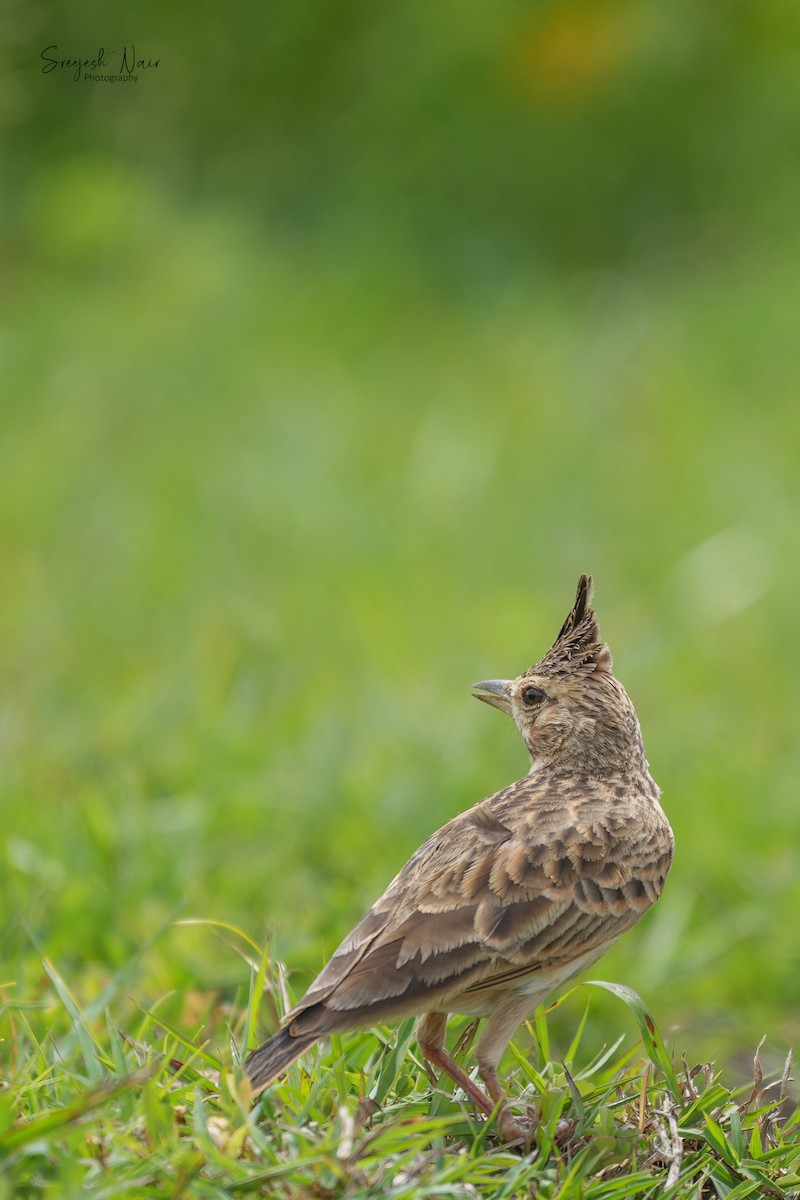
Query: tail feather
275, 1055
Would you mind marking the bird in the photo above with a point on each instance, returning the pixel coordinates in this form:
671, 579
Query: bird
514, 896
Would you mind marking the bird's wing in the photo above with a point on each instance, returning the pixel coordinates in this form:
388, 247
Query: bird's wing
525, 881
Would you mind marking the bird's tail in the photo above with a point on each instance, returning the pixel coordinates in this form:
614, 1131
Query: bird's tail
275, 1055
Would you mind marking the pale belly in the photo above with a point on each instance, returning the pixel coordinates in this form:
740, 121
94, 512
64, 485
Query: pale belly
538, 986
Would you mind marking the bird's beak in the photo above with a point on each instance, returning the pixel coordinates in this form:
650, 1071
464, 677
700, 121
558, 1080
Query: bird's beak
496, 692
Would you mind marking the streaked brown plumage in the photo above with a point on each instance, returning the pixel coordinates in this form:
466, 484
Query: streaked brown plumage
514, 896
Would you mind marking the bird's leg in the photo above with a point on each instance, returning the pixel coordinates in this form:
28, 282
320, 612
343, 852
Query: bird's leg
510, 1128
502, 1022
430, 1036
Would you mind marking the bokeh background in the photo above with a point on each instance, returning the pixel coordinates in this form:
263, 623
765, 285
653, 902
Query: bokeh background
332, 351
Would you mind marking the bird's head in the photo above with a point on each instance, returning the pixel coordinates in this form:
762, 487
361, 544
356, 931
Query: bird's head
572, 713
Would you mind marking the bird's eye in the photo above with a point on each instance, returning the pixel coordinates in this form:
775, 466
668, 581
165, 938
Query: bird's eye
533, 695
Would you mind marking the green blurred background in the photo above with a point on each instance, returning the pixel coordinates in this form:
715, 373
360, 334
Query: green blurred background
332, 351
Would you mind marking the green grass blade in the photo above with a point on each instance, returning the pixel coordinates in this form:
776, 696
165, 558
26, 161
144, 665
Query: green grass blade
46, 1124
647, 1027
203, 921
214, 1063
392, 1062
90, 1051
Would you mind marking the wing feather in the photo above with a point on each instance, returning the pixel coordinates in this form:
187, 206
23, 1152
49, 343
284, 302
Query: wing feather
503, 892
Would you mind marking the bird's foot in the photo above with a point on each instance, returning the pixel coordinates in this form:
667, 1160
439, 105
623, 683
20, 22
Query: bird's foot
519, 1133
516, 1132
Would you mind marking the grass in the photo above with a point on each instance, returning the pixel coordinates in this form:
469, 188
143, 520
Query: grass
92, 1109
266, 513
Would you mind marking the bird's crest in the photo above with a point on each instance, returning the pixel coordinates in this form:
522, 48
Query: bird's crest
578, 646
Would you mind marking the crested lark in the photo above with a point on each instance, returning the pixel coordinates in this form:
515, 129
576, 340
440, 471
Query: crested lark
515, 896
